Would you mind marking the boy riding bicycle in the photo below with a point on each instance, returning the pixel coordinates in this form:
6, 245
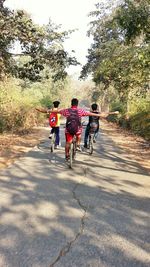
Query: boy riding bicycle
93, 124
73, 124
54, 121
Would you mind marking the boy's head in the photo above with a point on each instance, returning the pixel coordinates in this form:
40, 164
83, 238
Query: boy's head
94, 107
56, 104
74, 102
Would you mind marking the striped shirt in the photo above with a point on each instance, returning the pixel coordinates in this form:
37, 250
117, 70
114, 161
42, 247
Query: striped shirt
81, 113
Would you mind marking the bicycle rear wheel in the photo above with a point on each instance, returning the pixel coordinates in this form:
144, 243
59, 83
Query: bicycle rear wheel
53, 142
74, 150
90, 145
71, 155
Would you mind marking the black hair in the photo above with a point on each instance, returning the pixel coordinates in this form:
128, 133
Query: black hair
56, 104
74, 102
94, 106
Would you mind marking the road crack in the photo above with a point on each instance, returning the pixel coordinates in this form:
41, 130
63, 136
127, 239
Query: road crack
68, 246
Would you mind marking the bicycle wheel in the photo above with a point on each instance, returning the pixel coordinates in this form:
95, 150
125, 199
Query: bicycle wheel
53, 142
74, 150
90, 145
71, 155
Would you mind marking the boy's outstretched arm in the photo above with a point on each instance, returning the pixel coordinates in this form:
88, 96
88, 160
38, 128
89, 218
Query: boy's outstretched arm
103, 114
43, 110
106, 114
54, 111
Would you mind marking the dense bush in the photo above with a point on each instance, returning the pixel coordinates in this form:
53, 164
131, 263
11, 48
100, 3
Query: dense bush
17, 109
46, 102
137, 120
140, 124
117, 105
18, 100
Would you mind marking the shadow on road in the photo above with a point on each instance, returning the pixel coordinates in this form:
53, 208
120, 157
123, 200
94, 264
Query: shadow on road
39, 213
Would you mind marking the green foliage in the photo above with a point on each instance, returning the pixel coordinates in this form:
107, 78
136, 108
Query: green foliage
18, 100
46, 102
133, 19
111, 59
16, 109
138, 120
117, 105
139, 105
140, 124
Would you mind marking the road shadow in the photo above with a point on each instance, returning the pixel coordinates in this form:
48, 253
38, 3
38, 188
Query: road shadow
42, 210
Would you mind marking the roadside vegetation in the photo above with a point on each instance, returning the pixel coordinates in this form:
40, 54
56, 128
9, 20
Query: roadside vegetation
118, 62
33, 66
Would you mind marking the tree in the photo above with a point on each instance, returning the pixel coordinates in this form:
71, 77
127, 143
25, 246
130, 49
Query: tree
119, 54
133, 20
40, 46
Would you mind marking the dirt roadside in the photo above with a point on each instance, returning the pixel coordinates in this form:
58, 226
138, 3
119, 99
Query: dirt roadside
134, 146
13, 146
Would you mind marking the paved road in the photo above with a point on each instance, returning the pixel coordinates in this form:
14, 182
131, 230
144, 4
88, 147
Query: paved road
97, 215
